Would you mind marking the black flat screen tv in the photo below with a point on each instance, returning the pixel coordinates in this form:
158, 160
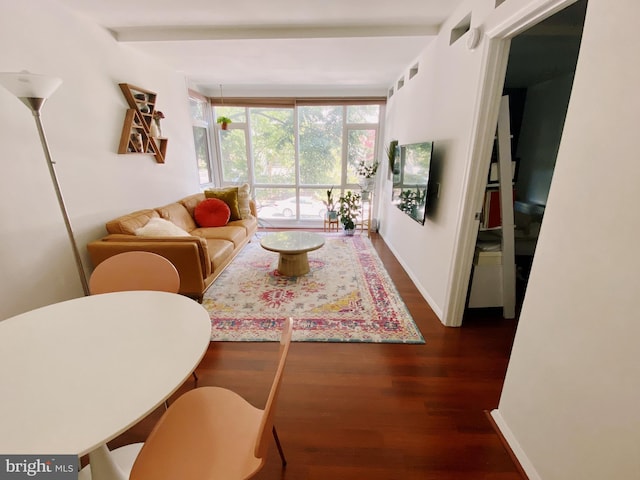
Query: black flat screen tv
411, 169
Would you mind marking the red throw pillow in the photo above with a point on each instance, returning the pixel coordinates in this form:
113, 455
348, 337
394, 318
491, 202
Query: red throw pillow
212, 212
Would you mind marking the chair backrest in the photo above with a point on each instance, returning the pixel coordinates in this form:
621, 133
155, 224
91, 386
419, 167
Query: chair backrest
266, 425
136, 270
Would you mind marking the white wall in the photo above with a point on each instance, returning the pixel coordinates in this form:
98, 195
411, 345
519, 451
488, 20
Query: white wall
436, 105
570, 399
83, 121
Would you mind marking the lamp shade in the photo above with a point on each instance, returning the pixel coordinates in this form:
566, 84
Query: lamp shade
29, 85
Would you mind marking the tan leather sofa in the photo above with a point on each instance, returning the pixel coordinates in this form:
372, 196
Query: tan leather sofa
199, 257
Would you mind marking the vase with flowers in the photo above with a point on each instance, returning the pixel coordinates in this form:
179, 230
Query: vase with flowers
366, 176
155, 130
367, 170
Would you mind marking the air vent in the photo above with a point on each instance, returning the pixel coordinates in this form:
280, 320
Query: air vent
391, 92
499, 2
400, 83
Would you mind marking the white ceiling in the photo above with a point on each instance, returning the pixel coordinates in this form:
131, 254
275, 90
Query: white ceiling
313, 47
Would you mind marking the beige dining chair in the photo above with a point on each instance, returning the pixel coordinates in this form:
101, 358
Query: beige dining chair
136, 270
213, 433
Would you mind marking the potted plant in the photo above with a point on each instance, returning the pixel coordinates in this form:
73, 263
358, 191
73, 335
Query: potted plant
366, 173
349, 210
224, 122
332, 214
391, 155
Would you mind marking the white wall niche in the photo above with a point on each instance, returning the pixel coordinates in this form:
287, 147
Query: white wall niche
460, 29
413, 71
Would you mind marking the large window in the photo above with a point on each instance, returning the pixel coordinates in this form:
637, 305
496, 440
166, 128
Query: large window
272, 145
291, 155
320, 137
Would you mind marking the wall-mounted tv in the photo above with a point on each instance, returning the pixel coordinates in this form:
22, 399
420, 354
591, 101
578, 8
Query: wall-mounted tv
411, 179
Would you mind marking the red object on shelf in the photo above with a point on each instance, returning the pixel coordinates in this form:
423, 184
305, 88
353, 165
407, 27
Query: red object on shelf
492, 211
494, 218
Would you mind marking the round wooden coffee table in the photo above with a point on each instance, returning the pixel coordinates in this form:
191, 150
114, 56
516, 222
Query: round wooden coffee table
293, 248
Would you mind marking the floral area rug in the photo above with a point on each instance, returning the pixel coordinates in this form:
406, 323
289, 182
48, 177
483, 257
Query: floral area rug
347, 296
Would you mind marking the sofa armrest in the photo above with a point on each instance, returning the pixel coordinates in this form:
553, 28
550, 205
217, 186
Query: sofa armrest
190, 255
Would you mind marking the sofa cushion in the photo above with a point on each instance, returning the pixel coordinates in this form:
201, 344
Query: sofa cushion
243, 201
159, 227
212, 212
127, 224
177, 214
250, 224
243, 198
192, 201
219, 252
234, 234
229, 196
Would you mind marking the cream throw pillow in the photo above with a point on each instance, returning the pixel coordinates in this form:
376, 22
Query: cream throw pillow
243, 201
159, 227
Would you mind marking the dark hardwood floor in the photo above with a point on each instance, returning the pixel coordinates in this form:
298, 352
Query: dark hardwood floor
377, 411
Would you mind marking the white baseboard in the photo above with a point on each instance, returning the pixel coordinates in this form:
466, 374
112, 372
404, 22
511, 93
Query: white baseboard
434, 306
517, 450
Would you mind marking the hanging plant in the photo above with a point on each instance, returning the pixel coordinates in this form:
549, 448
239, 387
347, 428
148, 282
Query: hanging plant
224, 122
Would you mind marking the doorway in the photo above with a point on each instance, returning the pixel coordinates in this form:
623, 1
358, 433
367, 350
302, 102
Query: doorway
538, 81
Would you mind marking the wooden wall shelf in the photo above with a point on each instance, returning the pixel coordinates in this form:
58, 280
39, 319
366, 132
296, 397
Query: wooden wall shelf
136, 137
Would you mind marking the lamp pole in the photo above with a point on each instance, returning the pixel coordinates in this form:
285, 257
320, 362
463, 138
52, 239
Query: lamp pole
25, 85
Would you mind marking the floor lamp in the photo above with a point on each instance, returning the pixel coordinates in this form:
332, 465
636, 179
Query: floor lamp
33, 90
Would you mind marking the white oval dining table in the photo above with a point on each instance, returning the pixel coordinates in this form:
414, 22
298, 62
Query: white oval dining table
78, 373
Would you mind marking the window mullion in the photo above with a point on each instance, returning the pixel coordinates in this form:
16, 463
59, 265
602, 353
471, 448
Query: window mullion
345, 145
296, 153
249, 146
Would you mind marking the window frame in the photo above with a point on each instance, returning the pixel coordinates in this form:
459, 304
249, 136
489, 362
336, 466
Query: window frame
214, 172
297, 187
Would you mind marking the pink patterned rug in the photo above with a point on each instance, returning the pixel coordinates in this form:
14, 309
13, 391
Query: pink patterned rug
347, 296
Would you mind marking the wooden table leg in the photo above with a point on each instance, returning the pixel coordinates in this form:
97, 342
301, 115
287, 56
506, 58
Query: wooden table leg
293, 265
